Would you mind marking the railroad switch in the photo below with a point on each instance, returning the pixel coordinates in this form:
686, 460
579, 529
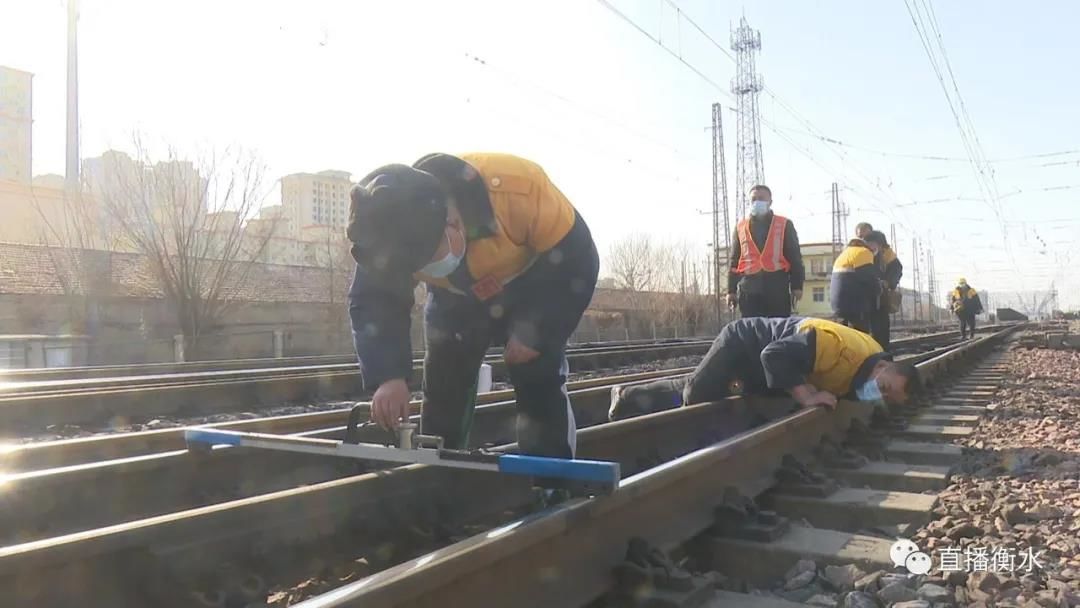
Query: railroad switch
796, 479
649, 578
835, 456
740, 517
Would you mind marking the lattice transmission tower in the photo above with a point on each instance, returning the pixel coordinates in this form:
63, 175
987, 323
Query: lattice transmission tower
749, 167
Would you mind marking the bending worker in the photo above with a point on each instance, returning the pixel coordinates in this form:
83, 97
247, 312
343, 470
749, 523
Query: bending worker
813, 360
506, 259
766, 266
863, 230
855, 284
966, 304
891, 270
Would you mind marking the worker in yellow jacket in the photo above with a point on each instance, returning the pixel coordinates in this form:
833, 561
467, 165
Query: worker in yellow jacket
506, 259
813, 360
888, 302
855, 285
965, 305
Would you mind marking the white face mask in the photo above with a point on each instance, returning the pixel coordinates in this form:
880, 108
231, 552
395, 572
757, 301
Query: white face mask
759, 208
443, 267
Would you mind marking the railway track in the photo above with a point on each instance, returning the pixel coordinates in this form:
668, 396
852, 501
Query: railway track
118, 402
162, 526
698, 506
187, 367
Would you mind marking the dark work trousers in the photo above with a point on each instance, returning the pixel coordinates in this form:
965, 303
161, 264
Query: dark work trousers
879, 327
545, 422
713, 379
761, 297
967, 324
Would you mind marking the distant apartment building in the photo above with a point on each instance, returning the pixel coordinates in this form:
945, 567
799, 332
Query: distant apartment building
131, 194
16, 124
315, 199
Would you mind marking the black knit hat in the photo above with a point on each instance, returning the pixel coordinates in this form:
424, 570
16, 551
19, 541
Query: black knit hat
396, 216
876, 236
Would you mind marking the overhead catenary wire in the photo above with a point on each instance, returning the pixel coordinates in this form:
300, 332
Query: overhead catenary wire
984, 176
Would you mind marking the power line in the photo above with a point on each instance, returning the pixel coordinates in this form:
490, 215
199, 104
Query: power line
931, 157
655, 39
680, 14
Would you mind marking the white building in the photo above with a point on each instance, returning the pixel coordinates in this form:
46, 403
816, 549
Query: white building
16, 124
315, 199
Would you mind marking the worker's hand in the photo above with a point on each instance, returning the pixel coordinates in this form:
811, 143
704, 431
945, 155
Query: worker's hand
732, 301
390, 404
517, 353
808, 396
796, 294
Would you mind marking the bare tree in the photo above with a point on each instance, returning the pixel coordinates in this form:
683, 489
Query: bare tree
632, 262
678, 305
188, 220
71, 238
635, 263
332, 251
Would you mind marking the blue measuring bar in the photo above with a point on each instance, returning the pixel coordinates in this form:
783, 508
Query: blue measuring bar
601, 474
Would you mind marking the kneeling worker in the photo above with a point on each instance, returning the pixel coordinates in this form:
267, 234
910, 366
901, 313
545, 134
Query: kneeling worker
856, 284
506, 259
813, 360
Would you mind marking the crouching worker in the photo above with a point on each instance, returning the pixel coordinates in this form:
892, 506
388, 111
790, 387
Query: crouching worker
813, 360
506, 259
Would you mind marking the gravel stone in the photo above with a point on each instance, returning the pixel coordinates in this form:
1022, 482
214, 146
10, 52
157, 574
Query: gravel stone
869, 583
934, 593
964, 531
859, 599
825, 601
803, 594
800, 580
896, 592
843, 578
803, 565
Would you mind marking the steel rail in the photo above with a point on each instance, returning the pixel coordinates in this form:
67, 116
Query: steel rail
139, 369
197, 395
85, 562
67, 452
67, 385
50, 502
30, 456
566, 556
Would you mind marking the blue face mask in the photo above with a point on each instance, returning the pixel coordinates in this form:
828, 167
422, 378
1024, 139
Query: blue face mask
869, 391
443, 267
759, 208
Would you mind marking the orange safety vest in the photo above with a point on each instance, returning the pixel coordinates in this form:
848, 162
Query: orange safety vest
751, 259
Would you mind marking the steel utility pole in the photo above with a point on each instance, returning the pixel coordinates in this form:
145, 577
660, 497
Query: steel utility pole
721, 226
932, 283
71, 169
837, 227
917, 277
893, 243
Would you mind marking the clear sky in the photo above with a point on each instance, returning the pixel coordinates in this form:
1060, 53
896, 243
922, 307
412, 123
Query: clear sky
617, 121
